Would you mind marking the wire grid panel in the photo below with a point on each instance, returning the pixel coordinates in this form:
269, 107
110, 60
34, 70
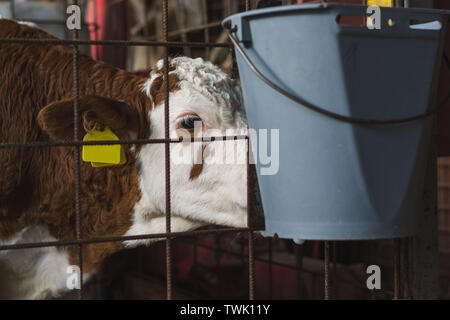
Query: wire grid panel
77, 144
168, 235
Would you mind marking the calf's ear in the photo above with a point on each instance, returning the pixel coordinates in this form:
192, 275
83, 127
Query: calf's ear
57, 118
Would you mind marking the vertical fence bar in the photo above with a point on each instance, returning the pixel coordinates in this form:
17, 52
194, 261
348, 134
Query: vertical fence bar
234, 69
165, 18
371, 251
424, 246
396, 269
326, 246
242, 248
299, 269
196, 264
186, 50
63, 11
251, 253
270, 268
205, 21
251, 265
76, 136
424, 249
12, 7
96, 26
405, 268
334, 281
146, 31
217, 256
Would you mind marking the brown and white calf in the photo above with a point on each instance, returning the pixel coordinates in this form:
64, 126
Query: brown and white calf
37, 184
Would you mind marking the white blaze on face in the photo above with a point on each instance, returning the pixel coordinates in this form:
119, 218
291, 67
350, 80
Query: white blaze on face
217, 192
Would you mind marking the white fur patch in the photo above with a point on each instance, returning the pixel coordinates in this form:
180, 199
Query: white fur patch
27, 23
155, 225
197, 75
35, 273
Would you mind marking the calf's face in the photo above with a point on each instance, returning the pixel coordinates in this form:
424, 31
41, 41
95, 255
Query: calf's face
209, 179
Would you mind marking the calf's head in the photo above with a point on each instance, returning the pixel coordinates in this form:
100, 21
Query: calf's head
208, 180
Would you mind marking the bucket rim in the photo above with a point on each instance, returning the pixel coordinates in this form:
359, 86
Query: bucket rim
323, 6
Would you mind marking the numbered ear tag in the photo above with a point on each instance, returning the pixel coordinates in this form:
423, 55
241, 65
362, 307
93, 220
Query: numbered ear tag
103, 156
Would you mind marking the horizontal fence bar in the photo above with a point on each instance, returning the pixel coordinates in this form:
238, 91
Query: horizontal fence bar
126, 43
42, 144
179, 32
19, 246
62, 23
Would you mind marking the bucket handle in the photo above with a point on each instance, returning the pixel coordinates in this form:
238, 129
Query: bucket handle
321, 110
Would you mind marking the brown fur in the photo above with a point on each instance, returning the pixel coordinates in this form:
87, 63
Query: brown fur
56, 119
196, 170
157, 89
37, 185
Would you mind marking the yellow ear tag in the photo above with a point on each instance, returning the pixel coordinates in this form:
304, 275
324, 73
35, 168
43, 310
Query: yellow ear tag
102, 156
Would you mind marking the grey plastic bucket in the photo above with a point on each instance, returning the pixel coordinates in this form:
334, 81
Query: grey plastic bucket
338, 180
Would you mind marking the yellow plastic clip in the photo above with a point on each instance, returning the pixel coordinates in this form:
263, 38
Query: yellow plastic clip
380, 3
103, 156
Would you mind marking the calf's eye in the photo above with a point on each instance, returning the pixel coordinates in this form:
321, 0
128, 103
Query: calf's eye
188, 122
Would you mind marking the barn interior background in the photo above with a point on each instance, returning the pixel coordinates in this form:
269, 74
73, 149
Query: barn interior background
215, 265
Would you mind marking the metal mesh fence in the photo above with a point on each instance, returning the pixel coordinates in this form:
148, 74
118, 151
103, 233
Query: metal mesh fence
400, 257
